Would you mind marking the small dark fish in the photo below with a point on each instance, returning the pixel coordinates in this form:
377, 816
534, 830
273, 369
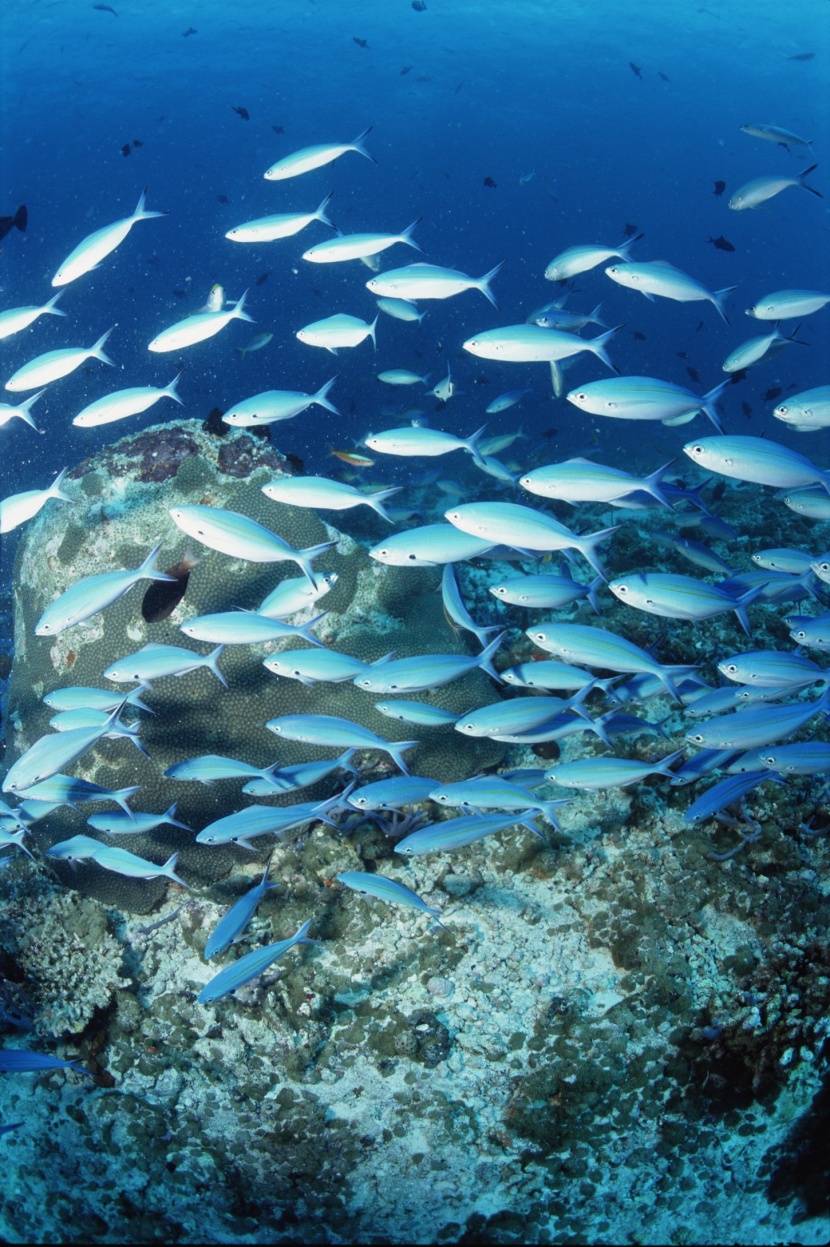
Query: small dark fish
191, 30
419, 5
801, 56
295, 460
223, 199
722, 244
746, 409
720, 187
551, 432
682, 355
740, 375
406, 69
263, 277
490, 182
179, 293
19, 221
126, 150
361, 43
163, 596
214, 424
635, 333
665, 77
243, 112
137, 143
635, 69
701, 324
630, 230
718, 491
772, 393
693, 373
105, 8
278, 129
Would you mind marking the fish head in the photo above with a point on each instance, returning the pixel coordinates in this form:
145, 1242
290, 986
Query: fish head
633, 589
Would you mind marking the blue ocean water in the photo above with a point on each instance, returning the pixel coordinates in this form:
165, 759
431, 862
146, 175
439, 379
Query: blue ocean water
514, 129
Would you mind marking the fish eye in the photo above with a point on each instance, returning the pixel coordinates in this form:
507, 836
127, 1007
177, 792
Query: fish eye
730, 668
800, 635
697, 738
621, 590
782, 410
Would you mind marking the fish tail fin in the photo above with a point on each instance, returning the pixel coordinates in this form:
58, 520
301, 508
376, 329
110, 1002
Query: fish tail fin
668, 684
372, 329
547, 808
483, 283
557, 379
145, 214
395, 749
718, 299
170, 817
376, 501
212, 662
625, 247
54, 490
133, 699
21, 218
169, 869
652, 483
171, 390
595, 318
304, 630
357, 145
484, 658
665, 766
320, 214
801, 181
98, 350
122, 796
471, 444
305, 558
708, 402
406, 235
597, 347
239, 312
321, 397
50, 306
148, 569
587, 548
591, 595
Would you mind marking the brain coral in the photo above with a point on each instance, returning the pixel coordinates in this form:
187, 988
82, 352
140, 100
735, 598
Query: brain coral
121, 511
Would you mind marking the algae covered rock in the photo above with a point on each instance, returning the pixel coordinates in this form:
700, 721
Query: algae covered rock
121, 511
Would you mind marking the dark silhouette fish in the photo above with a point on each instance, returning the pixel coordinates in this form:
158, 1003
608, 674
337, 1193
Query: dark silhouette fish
490, 182
278, 129
772, 393
126, 149
630, 230
419, 5
361, 43
682, 355
19, 221
635, 333
191, 30
137, 143
263, 277
746, 409
243, 112
665, 77
740, 375
722, 244
223, 199
215, 425
406, 69
801, 56
105, 8
635, 69
720, 187
693, 373
163, 596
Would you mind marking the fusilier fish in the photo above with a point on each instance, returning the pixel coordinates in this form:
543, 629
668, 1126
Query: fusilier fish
8, 411
759, 190
97, 246
308, 158
583, 480
756, 349
523, 344
416, 440
546, 591
273, 405
400, 309
19, 508
424, 671
455, 833
242, 538
756, 459
93, 593
154, 661
130, 822
788, 304
680, 597
14, 319
251, 966
508, 399
233, 922
576, 260
806, 411
53, 752
595, 774
334, 332
53, 365
337, 733
431, 545
197, 328
124, 403
314, 666
402, 376
296, 594
281, 225
385, 889
327, 495
775, 134
430, 281
645, 398
658, 277
358, 246
596, 647
523, 528
246, 628
121, 862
